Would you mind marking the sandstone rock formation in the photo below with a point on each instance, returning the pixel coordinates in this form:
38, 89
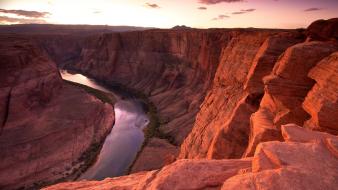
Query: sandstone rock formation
227, 127
321, 102
293, 164
46, 125
183, 174
222, 126
276, 165
285, 90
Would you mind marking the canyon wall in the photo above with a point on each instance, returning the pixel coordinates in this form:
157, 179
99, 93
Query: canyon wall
222, 126
247, 104
47, 126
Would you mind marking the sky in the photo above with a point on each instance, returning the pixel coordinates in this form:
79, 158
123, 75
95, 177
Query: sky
169, 13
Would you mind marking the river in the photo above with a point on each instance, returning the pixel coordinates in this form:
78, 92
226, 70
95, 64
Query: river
125, 139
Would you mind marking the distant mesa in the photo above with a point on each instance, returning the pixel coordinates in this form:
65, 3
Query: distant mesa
181, 27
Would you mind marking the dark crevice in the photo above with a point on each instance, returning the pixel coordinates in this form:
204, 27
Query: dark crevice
254, 99
6, 111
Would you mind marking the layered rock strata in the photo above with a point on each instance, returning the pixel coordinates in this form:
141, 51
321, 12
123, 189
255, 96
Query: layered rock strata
321, 101
285, 90
222, 126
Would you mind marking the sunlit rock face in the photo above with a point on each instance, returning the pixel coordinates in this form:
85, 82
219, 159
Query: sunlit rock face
46, 125
285, 90
222, 126
238, 114
321, 101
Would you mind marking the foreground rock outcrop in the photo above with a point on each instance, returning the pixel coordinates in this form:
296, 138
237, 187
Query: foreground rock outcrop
275, 165
47, 126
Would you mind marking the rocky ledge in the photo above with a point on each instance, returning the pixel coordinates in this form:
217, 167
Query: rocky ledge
293, 164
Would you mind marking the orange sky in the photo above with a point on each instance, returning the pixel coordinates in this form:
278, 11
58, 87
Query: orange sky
168, 13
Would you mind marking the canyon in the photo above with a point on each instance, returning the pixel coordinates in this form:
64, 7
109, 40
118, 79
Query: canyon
237, 108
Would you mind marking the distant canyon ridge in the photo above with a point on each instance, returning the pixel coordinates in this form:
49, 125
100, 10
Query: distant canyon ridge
237, 108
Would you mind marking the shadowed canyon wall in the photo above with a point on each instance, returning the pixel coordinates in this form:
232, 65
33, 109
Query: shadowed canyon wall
46, 124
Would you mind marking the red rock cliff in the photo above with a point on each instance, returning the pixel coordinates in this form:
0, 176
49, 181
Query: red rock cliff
222, 127
45, 124
234, 119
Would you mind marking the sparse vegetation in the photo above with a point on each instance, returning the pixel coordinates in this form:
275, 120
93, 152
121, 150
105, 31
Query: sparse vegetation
153, 128
88, 158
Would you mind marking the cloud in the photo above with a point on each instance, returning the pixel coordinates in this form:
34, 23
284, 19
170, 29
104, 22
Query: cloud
11, 20
30, 14
312, 9
210, 2
238, 13
202, 8
243, 11
152, 5
221, 17
248, 10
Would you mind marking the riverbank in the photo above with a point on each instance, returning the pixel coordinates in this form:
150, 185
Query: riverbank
153, 128
89, 157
